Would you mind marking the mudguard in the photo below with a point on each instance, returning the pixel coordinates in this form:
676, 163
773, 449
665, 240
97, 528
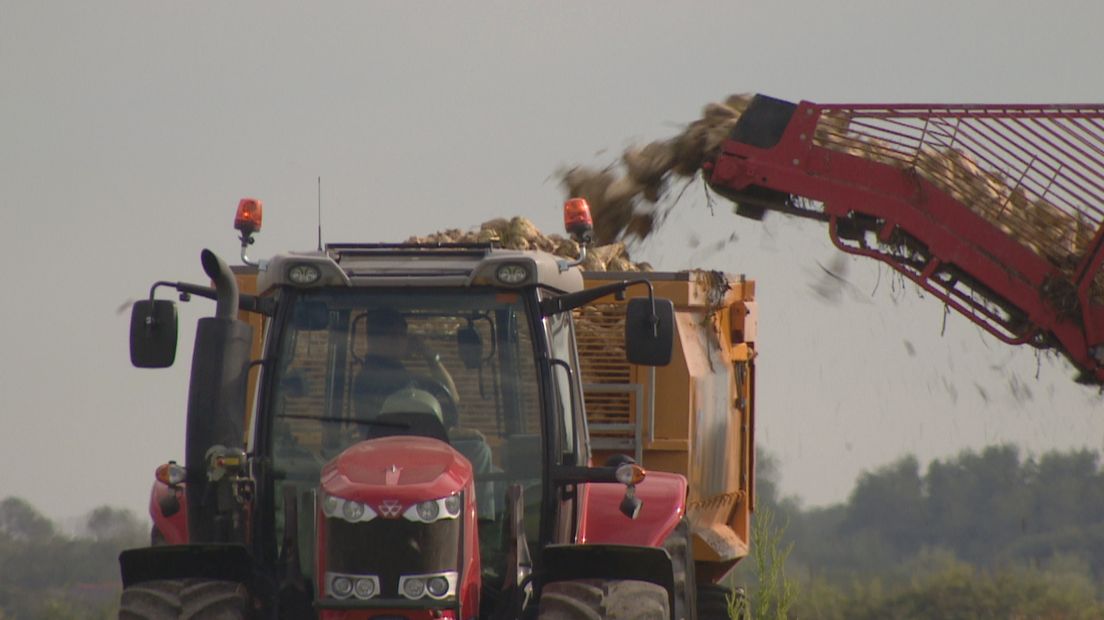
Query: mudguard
601, 520
169, 511
217, 562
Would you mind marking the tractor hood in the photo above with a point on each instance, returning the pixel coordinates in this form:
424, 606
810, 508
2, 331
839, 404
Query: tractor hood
408, 469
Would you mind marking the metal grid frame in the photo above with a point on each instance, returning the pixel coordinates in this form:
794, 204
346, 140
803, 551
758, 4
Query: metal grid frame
1016, 244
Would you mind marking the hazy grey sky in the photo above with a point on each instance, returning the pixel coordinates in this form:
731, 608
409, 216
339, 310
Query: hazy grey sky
128, 131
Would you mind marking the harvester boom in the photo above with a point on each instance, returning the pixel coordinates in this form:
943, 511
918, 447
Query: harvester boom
994, 209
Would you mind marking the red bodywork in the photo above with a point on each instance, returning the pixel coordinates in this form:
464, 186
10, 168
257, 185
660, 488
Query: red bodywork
403, 471
404, 614
664, 497
970, 262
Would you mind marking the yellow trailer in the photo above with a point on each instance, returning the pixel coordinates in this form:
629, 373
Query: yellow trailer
694, 417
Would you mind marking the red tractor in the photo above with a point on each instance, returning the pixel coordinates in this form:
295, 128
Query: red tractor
406, 440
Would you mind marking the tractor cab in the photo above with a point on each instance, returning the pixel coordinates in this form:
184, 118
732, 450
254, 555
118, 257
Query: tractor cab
416, 434
395, 421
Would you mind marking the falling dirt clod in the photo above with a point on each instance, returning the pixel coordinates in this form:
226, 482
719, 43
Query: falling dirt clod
625, 197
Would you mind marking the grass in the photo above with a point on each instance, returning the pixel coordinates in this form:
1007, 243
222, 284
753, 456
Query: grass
773, 592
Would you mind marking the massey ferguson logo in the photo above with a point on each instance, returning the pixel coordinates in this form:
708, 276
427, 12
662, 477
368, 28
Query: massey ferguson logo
390, 508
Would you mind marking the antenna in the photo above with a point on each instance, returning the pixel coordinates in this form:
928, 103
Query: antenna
319, 214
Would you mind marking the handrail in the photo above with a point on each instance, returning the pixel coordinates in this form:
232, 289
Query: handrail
637, 427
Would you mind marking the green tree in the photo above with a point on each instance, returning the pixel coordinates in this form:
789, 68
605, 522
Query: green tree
888, 505
47, 574
22, 522
978, 502
1066, 489
106, 524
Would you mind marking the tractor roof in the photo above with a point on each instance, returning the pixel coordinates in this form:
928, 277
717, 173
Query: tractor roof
399, 265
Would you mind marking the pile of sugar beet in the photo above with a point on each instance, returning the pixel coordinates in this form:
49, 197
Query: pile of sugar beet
520, 234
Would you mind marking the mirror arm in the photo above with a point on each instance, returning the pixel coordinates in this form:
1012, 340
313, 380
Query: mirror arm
579, 474
185, 289
570, 301
247, 302
258, 304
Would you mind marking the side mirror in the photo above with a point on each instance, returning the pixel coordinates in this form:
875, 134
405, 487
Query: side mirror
469, 346
649, 335
153, 330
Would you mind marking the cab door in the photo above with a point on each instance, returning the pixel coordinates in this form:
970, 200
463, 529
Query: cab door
569, 445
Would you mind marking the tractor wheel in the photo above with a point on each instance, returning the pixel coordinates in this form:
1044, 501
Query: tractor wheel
184, 599
682, 560
598, 599
713, 601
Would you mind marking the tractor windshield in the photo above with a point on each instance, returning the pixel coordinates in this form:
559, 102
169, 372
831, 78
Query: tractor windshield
467, 357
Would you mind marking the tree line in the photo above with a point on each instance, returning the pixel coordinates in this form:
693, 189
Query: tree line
987, 533
47, 573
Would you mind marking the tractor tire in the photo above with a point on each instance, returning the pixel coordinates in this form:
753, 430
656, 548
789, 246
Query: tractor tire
713, 601
184, 599
598, 599
682, 560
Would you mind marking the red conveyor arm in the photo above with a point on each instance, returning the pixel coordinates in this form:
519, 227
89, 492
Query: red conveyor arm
994, 209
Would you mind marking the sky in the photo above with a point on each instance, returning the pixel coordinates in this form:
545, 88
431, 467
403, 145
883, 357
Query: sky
130, 129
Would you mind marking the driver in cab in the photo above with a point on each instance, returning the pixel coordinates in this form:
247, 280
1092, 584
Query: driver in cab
384, 371
385, 386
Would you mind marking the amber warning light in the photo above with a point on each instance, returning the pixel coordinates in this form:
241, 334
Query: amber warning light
248, 217
577, 220
171, 474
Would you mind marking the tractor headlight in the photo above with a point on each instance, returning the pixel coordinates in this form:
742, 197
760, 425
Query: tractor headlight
365, 587
341, 586
428, 511
512, 274
352, 511
414, 587
434, 510
304, 273
436, 586
453, 505
346, 509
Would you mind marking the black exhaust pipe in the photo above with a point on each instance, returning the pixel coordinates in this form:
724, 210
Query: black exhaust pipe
216, 399
225, 285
